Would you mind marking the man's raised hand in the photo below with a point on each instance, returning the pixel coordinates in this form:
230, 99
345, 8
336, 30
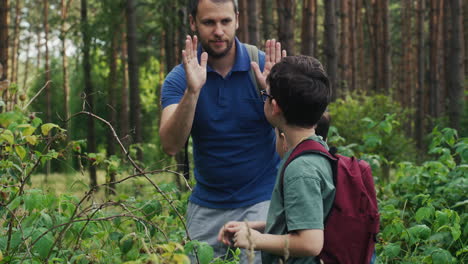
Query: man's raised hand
195, 72
273, 55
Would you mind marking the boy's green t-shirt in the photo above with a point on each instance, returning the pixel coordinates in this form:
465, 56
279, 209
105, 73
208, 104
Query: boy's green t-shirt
308, 197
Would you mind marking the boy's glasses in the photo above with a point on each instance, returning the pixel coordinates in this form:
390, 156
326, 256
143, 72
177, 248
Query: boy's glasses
265, 95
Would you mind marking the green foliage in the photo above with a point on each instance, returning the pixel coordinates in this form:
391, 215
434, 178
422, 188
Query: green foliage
424, 212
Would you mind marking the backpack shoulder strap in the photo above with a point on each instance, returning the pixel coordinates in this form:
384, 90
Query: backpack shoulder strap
253, 55
307, 146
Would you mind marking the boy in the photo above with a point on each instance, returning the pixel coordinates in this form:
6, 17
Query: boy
296, 95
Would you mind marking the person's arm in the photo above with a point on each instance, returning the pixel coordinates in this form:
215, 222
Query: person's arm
177, 119
300, 243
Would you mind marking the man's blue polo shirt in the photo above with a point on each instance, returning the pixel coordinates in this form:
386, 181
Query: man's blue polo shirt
233, 143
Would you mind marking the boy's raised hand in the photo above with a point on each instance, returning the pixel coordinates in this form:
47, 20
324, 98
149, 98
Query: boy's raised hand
273, 55
195, 72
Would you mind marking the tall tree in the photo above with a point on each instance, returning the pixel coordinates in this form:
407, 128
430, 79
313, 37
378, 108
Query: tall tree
456, 66
344, 61
435, 58
329, 45
4, 22
309, 27
359, 47
64, 5
15, 47
420, 88
91, 137
135, 106
252, 13
267, 18
124, 101
286, 11
243, 30
46, 62
405, 91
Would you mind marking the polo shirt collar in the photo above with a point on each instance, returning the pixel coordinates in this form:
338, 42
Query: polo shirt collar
242, 61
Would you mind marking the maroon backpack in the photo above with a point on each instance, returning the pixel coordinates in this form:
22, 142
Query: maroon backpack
353, 222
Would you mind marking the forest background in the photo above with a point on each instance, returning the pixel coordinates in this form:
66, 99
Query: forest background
95, 69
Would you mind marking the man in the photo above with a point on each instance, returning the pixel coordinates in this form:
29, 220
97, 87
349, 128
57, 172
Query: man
296, 95
212, 98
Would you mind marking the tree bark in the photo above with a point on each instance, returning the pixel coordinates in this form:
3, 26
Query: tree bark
91, 139
243, 30
344, 69
329, 48
435, 29
267, 19
420, 92
286, 11
135, 106
404, 93
46, 62
361, 72
252, 14
4, 23
456, 66
112, 101
15, 48
66, 86
124, 109
309, 27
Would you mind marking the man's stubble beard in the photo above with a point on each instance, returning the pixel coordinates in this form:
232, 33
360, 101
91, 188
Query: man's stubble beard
206, 47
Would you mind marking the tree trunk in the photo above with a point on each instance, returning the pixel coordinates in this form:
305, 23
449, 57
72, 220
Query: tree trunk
286, 12
66, 85
46, 63
4, 22
329, 48
387, 66
112, 101
372, 32
124, 109
135, 106
243, 30
309, 27
253, 22
91, 139
15, 49
435, 29
26, 65
405, 93
362, 71
420, 92
267, 19
344, 69
456, 66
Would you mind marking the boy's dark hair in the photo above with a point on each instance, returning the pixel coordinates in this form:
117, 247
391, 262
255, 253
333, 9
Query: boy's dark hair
301, 88
193, 5
323, 125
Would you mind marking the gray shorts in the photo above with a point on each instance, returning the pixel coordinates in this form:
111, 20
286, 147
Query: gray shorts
204, 223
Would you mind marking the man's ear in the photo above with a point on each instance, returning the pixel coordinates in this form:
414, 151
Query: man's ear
237, 20
193, 25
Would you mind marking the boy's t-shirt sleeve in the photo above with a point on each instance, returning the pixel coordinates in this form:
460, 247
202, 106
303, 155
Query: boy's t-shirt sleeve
303, 199
173, 87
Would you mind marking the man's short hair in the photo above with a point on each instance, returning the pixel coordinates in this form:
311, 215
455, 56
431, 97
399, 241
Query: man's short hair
193, 5
301, 88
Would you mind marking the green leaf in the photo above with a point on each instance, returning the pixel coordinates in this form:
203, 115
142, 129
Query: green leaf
126, 245
442, 256
392, 250
424, 213
20, 151
205, 253
420, 231
44, 244
27, 129
7, 136
31, 140
15, 203
45, 128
